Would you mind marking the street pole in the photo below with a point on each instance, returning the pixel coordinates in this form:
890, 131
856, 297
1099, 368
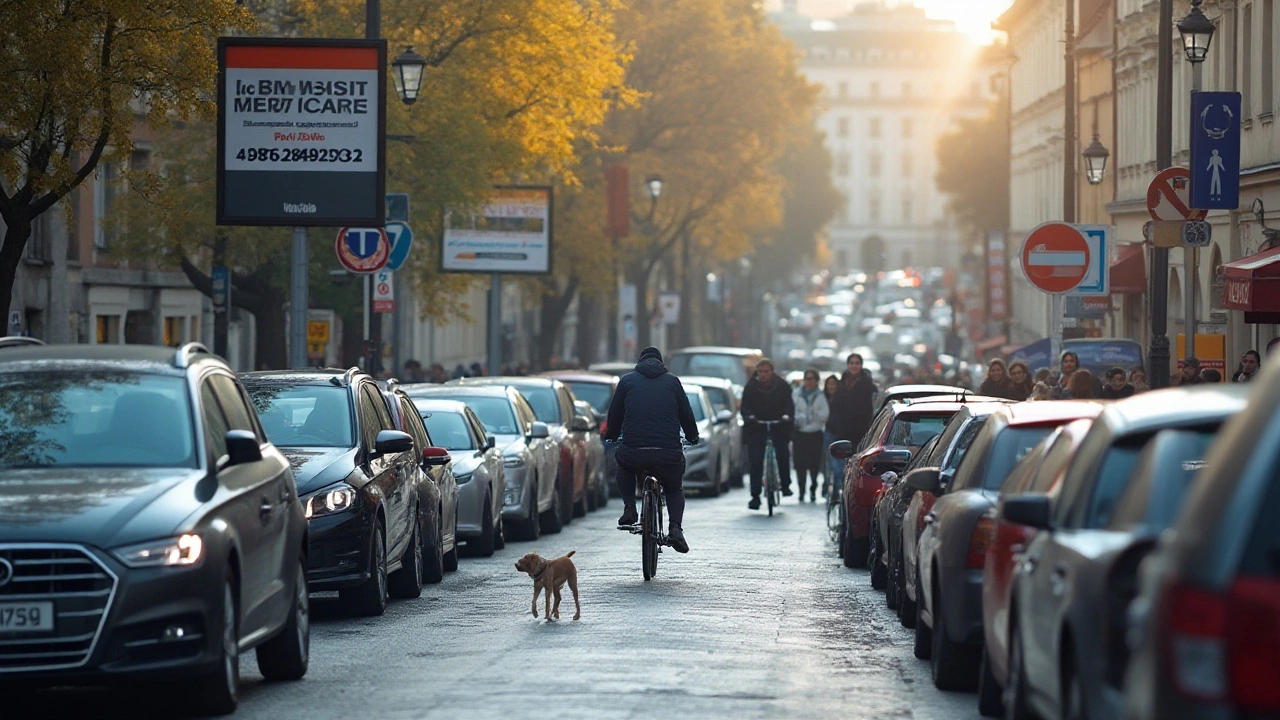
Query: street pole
1189, 254
1069, 121
221, 316
495, 324
1158, 353
366, 286
298, 301
372, 325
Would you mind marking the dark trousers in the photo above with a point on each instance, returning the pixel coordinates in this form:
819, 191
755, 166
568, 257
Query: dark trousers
755, 451
666, 465
807, 449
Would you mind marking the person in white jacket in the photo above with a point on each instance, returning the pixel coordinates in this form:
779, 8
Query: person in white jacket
806, 443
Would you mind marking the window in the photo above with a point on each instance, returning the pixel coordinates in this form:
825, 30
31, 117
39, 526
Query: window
543, 400
304, 415
842, 127
38, 245
906, 127
875, 127
874, 170
450, 431
174, 331
1012, 445
843, 89
842, 165
495, 414
907, 165
1267, 96
916, 430
877, 429
215, 423
598, 395
1246, 58
695, 402
413, 423
234, 407
108, 186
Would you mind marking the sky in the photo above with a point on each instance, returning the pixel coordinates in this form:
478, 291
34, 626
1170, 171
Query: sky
972, 17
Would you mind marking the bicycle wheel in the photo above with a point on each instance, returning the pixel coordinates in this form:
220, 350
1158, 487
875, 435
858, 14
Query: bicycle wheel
770, 476
650, 527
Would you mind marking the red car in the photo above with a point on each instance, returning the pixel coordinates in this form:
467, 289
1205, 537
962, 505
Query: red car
1040, 471
895, 435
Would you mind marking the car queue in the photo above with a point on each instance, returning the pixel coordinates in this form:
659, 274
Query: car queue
1080, 559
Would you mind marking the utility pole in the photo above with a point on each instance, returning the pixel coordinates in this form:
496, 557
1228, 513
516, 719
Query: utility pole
1158, 355
1069, 120
372, 322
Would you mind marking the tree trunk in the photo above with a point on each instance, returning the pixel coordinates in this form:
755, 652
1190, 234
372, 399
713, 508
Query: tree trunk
641, 281
590, 312
15, 241
553, 310
269, 332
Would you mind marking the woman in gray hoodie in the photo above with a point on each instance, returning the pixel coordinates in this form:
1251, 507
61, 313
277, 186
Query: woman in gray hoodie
806, 443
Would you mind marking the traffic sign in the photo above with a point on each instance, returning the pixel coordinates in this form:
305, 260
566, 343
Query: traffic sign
1055, 257
1169, 196
384, 292
1097, 279
1197, 233
397, 207
363, 250
401, 242
1215, 150
317, 332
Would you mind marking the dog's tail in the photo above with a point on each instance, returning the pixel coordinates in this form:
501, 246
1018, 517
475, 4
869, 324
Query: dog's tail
570, 553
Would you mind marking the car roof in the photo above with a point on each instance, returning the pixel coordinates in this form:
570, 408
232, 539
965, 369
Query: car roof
899, 390
314, 376
931, 408
718, 350
445, 391
1058, 412
1153, 410
150, 358
515, 381
426, 404
583, 376
705, 381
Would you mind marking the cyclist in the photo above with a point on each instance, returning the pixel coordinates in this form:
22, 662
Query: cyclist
648, 411
767, 397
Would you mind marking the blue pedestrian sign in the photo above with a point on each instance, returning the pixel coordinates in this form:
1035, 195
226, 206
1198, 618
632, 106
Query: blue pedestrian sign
1215, 150
397, 207
401, 242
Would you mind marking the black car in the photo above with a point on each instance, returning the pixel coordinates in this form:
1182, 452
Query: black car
148, 529
369, 508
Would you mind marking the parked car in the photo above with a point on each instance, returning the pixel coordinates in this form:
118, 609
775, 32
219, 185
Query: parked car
888, 522
706, 465
1040, 472
530, 458
600, 481
724, 396
895, 435
437, 463
147, 526
958, 533
1205, 627
902, 393
477, 469
373, 518
734, 364
552, 405
616, 369
1054, 661
596, 389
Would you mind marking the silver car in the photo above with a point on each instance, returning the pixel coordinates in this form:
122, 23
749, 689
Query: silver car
477, 467
724, 396
706, 465
530, 458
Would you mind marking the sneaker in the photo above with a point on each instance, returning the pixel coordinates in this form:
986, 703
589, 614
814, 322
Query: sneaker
786, 491
754, 504
676, 538
813, 494
629, 517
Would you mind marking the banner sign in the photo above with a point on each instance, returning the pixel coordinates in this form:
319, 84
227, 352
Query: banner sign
220, 283
301, 132
512, 234
997, 276
1036, 355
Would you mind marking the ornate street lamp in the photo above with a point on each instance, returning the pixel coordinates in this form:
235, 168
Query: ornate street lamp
1095, 161
654, 185
1197, 33
406, 73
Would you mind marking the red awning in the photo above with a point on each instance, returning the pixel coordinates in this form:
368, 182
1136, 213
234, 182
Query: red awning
1129, 271
1253, 285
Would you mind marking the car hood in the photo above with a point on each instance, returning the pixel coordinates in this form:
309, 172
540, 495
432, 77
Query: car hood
105, 507
465, 462
317, 467
510, 444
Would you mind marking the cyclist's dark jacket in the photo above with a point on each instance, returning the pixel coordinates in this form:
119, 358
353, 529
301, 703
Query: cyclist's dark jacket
767, 403
645, 405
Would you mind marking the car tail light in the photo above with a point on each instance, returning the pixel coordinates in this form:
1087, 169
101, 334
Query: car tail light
981, 540
604, 428
1226, 648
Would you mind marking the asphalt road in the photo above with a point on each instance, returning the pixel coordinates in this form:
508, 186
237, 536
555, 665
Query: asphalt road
759, 620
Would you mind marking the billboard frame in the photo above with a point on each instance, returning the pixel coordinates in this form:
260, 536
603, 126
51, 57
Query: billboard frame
551, 256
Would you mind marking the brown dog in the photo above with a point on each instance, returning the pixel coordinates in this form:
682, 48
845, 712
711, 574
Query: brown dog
551, 575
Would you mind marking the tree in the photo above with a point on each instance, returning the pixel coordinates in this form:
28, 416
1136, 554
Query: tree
973, 170
76, 74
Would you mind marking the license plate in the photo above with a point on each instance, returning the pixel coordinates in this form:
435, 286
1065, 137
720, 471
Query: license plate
26, 617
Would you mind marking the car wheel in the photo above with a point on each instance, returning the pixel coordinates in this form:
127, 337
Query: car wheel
370, 597
923, 645
582, 507
879, 573
990, 703
286, 656
1015, 689
533, 526
451, 557
433, 556
219, 692
1072, 693
593, 496
488, 540
500, 535
567, 506
952, 663
407, 581
855, 549
553, 519
602, 490
714, 490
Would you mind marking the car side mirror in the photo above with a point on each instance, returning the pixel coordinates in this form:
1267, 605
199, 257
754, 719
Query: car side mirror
841, 449
1030, 509
392, 441
435, 456
539, 430
889, 460
925, 479
580, 424
724, 416
490, 442
242, 447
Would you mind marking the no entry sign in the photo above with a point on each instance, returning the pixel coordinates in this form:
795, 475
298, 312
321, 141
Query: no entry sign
1169, 196
1055, 257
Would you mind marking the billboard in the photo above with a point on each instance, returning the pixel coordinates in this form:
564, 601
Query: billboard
301, 132
510, 234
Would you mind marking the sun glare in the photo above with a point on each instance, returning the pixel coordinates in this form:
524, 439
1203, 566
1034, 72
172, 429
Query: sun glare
972, 17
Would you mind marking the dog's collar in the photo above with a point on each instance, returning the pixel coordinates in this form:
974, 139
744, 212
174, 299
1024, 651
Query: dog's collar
540, 571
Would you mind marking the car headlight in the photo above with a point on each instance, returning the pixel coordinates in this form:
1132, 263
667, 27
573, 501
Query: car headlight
333, 500
513, 461
182, 551
462, 479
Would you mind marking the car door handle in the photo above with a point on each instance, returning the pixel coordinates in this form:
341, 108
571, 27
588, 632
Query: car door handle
930, 518
1030, 563
265, 509
1058, 581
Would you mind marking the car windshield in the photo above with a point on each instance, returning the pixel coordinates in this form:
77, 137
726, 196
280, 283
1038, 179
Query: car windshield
597, 395
916, 430
695, 400
543, 401
495, 414
95, 419
728, 367
304, 415
448, 430
1012, 445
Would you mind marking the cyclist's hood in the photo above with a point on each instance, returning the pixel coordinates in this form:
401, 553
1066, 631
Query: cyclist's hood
651, 367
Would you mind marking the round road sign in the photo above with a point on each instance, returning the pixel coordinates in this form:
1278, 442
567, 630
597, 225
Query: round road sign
1055, 257
1169, 196
363, 250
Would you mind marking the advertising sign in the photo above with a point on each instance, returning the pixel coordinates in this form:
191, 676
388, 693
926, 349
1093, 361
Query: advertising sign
997, 277
511, 234
1215, 151
301, 131
384, 292
1036, 355
669, 307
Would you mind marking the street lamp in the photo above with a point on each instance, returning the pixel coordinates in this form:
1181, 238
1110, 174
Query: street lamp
654, 184
1095, 161
1197, 33
407, 74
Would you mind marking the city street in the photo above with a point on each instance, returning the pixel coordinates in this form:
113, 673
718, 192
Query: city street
760, 620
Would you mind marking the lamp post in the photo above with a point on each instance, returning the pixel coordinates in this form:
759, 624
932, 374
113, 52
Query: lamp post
1197, 34
406, 74
1095, 161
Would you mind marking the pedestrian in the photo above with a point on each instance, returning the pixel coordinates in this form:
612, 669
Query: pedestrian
1210, 375
1117, 386
851, 408
1042, 375
812, 411
1249, 364
767, 397
413, 372
1020, 380
1138, 379
477, 370
833, 465
1068, 364
1080, 386
996, 383
1041, 391
459, 371
1189, 371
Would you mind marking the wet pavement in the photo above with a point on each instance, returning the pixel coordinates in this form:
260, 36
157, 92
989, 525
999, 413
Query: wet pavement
760, 620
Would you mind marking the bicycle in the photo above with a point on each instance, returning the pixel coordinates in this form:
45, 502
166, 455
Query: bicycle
652, 502
772, 490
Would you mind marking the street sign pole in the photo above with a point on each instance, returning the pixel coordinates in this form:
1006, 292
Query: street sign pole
1055, 328
1189, 254
495, 324
298, 300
